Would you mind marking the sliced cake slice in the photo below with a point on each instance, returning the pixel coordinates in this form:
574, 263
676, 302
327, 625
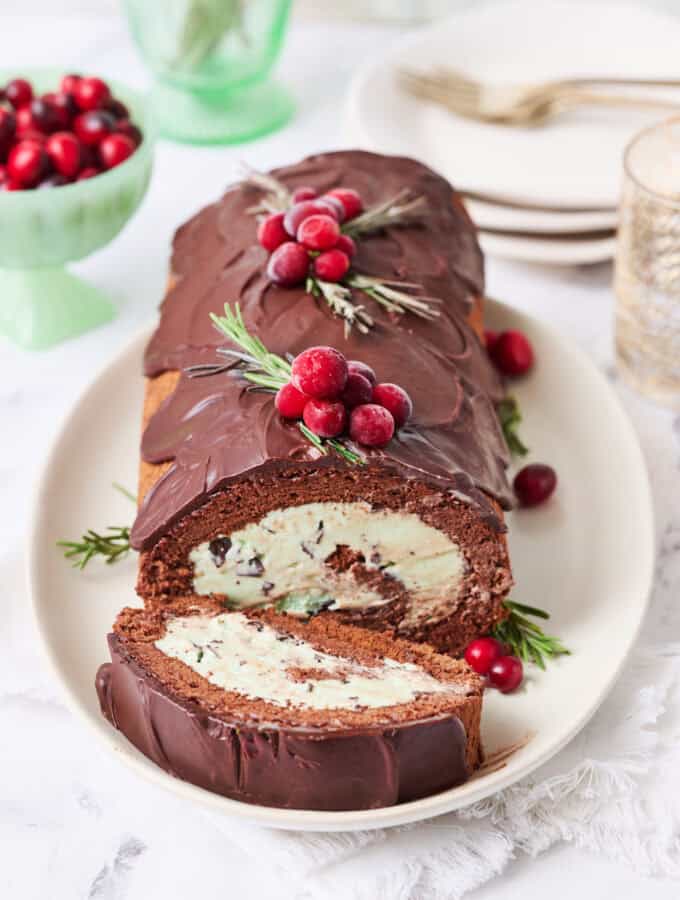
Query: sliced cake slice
306, 714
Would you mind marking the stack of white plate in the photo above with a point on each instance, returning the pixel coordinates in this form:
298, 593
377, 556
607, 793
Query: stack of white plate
544, 194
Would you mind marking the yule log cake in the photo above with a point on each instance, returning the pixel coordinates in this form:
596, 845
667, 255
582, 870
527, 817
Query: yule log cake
245, 515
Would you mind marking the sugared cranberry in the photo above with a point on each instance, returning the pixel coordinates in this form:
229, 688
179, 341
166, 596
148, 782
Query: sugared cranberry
296, 215
326, 418
26, 163
512, 354
506, 673
91, 93
320, 373
318, 233
534, 484
290, 402
347, 245
19, 92
51, 181
288, 265
92, 127
117, 109
64, 109
271, 233
355, 365
332, 265
358, 390
115, 149
334, 207
69, 83
481, 654
396, 400
304, 193
88, 172
350, 200
129, 129
371, 425
63, 149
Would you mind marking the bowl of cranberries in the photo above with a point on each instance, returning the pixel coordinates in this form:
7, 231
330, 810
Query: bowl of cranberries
75, 161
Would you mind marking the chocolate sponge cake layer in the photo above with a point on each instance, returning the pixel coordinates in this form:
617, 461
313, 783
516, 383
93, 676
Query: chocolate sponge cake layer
221, 469
268, 709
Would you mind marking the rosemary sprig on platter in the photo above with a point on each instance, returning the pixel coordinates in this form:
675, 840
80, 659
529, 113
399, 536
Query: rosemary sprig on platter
510, 418
266, 371
525, 638
110, 546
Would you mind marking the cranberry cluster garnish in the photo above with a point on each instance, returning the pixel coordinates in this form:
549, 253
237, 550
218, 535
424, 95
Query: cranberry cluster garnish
306, 238
488, 656
334, 396
69, 135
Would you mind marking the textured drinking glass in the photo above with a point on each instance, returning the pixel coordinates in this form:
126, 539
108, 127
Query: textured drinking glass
41, 303
211, 59
647, 273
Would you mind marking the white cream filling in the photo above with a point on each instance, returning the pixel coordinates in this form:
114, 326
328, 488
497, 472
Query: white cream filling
253, 659
282, 558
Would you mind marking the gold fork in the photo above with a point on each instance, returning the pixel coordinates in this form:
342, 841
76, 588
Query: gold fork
522, 104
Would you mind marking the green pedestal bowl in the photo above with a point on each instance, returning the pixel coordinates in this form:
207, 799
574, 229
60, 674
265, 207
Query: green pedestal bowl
211, 60
41, 303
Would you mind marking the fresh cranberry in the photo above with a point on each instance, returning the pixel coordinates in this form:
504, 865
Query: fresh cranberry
481, 654
43, 116
10, 185
396, 400
288, 265
91, 93
64, 109
24, 120
7, 129
490, 338
115, 149
358, 390
512, 353
332, 265
3, 174
506, 673
19, 92
355, 365
290, 402
69, 83
320, 373
92, 127
63, 149
318, 233
325, 418
534, 484
334, 207
88, 172
26, 163
347, 245
51, 181
32, 135
129, 129
350, 200
304, 193
118, 109
271, 233
296, 215
371, 425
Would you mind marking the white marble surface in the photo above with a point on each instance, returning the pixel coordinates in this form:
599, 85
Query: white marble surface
73, 823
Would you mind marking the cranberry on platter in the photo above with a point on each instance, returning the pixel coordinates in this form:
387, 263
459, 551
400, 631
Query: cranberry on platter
320, 373
371, 425
534, 484
288, 265
511, 353
326, 418
506, 673
396, 400
482, 653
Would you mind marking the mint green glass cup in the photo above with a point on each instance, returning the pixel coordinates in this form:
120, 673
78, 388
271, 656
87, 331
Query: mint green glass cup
41, 303
211, 60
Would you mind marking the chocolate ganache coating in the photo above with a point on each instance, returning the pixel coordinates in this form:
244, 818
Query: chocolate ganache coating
214, 429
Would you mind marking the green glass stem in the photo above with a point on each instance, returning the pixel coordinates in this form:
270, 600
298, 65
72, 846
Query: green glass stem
42, 307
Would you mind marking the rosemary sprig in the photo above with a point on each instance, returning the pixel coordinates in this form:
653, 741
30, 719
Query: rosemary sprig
402, 209
389, 294
266, 370
525, 638
277, 197
510, 417
111, 547
339, 299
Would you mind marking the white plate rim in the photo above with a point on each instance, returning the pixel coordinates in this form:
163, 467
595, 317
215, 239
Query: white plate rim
521, 764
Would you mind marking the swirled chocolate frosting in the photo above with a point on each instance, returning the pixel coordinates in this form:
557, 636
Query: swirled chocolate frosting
214, 429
